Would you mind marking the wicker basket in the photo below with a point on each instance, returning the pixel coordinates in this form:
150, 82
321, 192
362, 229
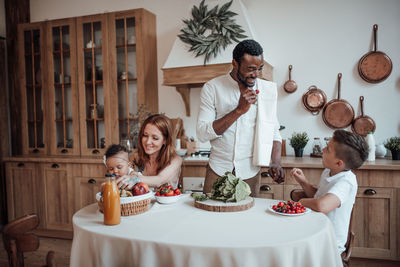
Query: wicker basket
130, 205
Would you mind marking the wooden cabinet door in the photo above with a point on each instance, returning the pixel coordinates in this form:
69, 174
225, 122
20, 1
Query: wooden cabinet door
374, 223
94, 87
270, 190
62, 87
87, 184
57, 190
133, 72
22, 189
33, 80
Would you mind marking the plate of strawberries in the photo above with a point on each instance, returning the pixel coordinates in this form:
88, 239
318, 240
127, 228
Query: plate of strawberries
289, 208
167, 194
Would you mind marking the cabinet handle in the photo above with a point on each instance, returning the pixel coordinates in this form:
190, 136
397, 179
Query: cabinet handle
265, 188
64, 151
265, 174
370, 192
36, 150
91, 181
96, 151
21, 164
55, 165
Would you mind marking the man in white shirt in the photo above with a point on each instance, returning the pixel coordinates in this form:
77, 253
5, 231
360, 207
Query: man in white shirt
230, 119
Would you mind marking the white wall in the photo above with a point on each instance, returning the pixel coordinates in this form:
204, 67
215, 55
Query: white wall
319, 38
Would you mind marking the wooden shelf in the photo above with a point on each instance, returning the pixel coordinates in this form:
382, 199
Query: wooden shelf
128, 45
185, 78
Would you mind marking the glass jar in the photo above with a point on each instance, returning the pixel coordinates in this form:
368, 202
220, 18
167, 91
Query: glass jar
111, 201
317, 147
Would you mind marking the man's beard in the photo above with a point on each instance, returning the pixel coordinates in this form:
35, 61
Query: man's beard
243, 80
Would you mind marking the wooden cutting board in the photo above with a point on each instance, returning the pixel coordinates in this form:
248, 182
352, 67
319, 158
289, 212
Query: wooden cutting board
219, 206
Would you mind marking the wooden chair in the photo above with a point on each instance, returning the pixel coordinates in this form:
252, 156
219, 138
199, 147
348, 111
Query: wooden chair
297, 194
349, 243
17, 239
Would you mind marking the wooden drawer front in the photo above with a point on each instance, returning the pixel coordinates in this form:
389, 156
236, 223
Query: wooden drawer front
271, 191
374, 223
21, 184
288, 189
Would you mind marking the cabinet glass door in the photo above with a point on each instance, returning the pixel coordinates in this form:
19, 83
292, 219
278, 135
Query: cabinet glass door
33, 117
127, 81
64, 128
93, 95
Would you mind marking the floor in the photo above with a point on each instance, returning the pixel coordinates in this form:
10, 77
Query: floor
61, 247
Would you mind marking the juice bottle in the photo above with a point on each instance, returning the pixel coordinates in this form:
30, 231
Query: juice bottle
111, 204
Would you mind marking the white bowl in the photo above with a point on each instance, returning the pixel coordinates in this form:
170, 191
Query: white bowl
181, 152
168, 200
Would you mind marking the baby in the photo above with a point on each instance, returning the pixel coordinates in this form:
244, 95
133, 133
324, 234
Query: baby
117, 162
337, 188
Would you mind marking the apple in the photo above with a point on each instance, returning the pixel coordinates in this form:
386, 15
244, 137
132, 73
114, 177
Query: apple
140, 189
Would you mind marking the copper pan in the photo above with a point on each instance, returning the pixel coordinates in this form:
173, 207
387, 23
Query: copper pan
375, 66
363, 124
338, 113
314, 100
290, 86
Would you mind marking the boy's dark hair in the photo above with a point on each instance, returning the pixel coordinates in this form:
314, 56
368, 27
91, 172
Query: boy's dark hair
114, 149
249, 46
351, 148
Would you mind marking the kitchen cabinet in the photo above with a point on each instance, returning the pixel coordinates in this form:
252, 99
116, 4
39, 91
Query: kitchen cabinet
86, 82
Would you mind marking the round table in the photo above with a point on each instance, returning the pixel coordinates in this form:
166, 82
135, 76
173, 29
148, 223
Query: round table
181, 235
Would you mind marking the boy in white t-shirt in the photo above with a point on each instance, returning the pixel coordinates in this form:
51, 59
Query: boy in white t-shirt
337, 189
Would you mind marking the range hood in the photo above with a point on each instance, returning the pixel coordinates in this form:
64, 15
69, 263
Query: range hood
185, 71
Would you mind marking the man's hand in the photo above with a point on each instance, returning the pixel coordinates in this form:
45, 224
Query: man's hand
276, 172
247, 97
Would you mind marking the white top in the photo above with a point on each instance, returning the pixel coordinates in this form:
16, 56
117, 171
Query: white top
344, 186
234, 148
181, 235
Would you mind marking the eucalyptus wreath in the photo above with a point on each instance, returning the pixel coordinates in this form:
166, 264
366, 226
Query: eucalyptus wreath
209, 30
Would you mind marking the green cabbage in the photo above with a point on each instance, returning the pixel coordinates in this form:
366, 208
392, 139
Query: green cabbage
229, 188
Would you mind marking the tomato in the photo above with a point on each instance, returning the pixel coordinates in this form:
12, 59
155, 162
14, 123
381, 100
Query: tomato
158, 193
281, 204
177, 191
170, 193
274, 207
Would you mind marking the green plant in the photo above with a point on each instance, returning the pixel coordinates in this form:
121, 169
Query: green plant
209, 30
299, 140
393, 144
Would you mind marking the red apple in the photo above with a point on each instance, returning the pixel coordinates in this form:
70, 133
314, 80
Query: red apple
140, 189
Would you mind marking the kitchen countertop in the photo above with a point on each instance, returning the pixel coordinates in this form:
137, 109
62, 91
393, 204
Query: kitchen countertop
287, 161
311, 162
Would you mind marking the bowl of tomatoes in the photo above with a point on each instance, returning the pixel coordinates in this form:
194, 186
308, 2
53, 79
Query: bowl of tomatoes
167, 194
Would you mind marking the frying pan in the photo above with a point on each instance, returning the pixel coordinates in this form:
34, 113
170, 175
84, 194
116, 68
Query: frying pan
290, 86
363, 124
314, 99
338, 113
375, 66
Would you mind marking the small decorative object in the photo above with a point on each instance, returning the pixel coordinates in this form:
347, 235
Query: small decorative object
219, 26
102, 142
67, 79
380, 151
90, 44
298, 142
393, 144
132, 39
123, 76
69, 143
93, 111
317, 148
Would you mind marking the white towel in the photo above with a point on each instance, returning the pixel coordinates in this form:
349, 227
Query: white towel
266, 123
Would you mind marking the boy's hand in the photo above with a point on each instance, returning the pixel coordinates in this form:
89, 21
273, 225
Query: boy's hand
298, 175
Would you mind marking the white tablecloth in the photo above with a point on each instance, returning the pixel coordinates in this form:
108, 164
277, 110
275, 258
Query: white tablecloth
181, 235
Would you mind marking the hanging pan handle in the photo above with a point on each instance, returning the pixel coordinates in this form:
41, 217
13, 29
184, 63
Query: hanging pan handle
362, 105
375, 34
339, 77
290, 72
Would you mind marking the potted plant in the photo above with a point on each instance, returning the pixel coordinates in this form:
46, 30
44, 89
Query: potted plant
298, 142
393, 144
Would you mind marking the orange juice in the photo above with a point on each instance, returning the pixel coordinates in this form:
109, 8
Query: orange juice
111, 204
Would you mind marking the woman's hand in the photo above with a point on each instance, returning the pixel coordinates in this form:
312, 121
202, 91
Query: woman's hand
125, 182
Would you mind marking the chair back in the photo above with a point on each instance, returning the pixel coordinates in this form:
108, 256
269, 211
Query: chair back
17, 239
349, 243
